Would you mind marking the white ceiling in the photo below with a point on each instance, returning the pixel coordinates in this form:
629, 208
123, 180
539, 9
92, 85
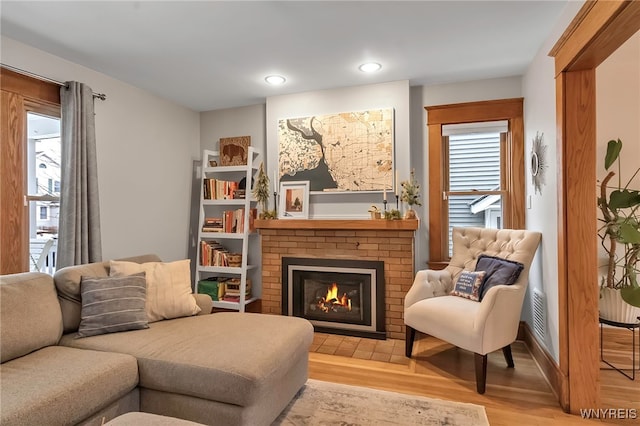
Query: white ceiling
209, 55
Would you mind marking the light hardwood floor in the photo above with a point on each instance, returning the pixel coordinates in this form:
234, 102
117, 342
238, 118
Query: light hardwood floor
519, 396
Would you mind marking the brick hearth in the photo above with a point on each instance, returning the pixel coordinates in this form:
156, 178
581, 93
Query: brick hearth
389, 241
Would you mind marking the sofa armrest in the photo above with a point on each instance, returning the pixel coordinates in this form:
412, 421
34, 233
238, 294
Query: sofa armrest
205, 303
498, 318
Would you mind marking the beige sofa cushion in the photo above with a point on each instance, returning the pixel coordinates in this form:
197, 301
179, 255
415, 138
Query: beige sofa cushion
228, 357
67, 282
59, 385
168, 287
30, 316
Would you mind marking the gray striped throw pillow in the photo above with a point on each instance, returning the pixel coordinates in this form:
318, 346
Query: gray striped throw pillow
111, 304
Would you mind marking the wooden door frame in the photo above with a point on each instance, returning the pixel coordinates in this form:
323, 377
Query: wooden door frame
599, 28
19, 94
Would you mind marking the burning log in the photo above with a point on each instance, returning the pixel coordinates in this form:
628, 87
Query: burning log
334, 303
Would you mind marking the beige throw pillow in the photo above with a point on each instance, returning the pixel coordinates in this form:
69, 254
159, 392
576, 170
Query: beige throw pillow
168, 287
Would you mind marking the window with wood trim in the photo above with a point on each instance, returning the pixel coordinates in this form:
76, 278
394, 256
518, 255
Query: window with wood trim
19, 96
476, 169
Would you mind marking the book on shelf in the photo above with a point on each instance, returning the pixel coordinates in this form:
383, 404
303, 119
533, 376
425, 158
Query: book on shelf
212, 229
212, 253
212, 224
232, 287
212, 221
232, 221
213, 286
235, 299
218, 189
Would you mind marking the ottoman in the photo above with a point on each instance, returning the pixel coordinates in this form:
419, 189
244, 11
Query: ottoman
147, 419
226, 368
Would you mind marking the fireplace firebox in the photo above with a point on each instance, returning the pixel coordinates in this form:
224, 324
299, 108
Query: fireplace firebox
338, 296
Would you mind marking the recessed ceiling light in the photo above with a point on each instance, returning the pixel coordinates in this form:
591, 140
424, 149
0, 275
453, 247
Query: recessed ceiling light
275, 80
370, 67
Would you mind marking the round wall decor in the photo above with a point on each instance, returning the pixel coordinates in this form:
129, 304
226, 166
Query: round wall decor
538, 162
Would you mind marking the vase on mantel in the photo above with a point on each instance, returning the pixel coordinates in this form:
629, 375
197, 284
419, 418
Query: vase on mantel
410, 214
614, 308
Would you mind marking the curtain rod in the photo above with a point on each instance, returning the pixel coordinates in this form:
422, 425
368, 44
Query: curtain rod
100, 96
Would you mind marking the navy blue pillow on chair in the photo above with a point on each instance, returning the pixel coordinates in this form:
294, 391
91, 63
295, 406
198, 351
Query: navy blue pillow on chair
498, 271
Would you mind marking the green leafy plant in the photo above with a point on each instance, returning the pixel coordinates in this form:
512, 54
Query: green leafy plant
392, 214
620, 231
411, 191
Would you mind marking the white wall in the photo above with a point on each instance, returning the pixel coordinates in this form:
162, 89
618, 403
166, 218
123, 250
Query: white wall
538, 88
243, 121
618, 115
387, 95
618, 107
145, 148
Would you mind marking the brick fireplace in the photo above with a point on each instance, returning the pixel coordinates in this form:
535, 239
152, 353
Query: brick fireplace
391, 242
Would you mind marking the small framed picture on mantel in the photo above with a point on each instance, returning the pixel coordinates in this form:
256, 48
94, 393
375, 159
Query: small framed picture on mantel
294, 200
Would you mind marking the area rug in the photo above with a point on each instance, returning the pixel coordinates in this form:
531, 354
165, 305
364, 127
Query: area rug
321, 403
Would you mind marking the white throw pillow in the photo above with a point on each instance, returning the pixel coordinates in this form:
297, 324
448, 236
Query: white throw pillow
168, 287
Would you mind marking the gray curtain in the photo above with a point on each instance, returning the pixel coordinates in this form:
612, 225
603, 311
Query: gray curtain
79, 233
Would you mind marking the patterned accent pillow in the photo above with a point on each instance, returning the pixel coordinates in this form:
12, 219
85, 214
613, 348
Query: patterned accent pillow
499, 271
112, 304
169, 293
468, 285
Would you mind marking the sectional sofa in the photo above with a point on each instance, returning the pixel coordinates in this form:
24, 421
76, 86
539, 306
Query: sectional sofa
223, 368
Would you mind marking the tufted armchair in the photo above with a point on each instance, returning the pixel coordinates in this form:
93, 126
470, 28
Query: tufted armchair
479, 327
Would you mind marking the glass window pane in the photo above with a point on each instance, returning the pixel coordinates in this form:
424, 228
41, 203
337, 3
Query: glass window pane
474, 162
43, 160
483, 211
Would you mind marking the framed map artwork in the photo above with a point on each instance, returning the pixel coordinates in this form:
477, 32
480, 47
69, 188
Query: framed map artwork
351, 151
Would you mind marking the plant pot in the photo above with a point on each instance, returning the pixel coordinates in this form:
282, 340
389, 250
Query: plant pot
613, 308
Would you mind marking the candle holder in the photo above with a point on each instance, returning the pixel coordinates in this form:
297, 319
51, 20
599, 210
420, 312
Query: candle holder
397, 202
384, 202
275, 201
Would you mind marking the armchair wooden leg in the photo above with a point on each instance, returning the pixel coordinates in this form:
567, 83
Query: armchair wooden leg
481, 372
408, 341
507, 356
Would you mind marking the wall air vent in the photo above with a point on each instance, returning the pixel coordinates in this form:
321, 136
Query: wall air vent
539, 315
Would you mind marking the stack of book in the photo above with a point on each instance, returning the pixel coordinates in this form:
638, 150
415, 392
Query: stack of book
213, 286
212, 253
232, 290
212, 224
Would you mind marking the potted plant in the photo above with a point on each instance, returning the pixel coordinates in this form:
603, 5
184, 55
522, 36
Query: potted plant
410, 195
620, 238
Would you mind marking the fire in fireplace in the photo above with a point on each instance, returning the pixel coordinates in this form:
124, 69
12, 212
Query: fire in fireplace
336, 295
333, 301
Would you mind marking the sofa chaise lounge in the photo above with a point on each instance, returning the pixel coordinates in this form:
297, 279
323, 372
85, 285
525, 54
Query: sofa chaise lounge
224, 368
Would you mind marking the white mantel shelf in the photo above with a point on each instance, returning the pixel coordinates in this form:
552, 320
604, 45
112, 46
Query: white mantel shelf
341, 224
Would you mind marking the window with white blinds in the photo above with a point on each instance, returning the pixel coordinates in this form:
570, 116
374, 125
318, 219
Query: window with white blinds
473, 178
